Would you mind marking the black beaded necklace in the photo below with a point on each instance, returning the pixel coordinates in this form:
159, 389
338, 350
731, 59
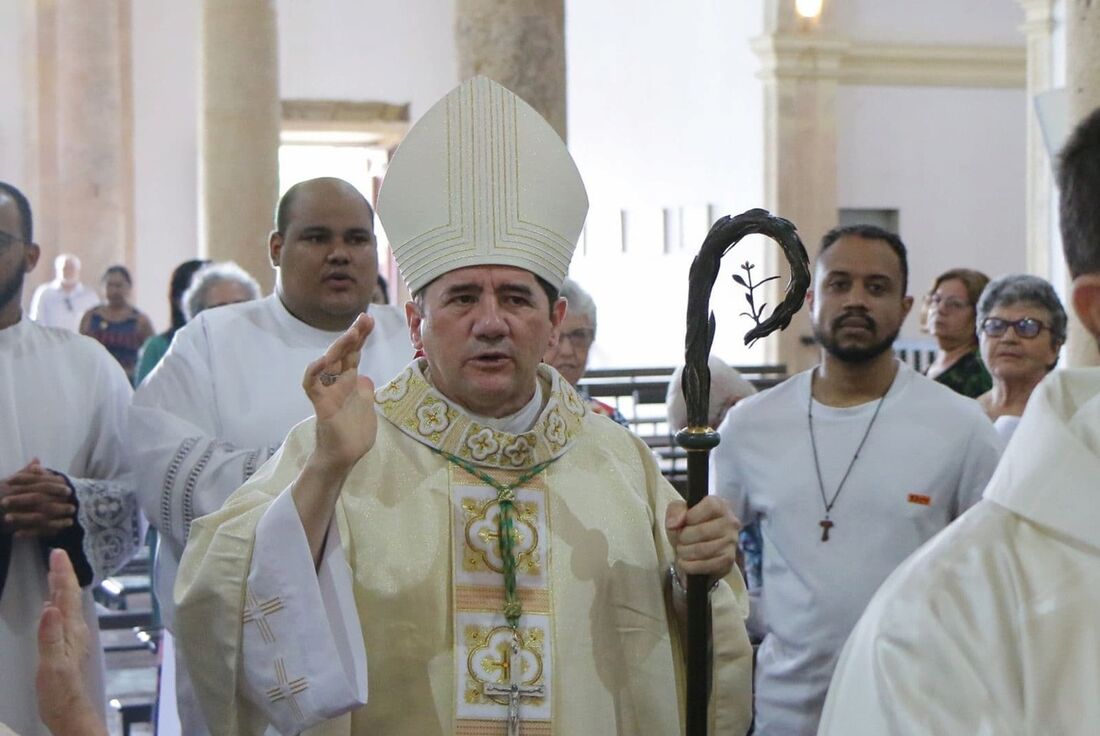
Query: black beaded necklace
827, 523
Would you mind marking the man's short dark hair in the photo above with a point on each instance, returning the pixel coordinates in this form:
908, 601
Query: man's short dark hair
551, 293
1079, 183
872, 232
286, 203
23, 205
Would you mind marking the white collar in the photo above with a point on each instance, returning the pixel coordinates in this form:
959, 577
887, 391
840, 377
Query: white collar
1050, 471
519, 422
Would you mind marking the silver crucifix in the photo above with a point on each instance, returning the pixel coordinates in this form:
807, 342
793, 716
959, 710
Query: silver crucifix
515, 689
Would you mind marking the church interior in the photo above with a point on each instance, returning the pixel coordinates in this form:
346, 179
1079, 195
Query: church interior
149, 132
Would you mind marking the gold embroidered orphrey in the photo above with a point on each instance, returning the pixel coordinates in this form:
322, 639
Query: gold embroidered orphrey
498, 667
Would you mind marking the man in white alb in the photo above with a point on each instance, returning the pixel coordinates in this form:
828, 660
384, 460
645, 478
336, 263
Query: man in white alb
228, 390
492, 553
63, 301
992, 627
63, 471
847, 468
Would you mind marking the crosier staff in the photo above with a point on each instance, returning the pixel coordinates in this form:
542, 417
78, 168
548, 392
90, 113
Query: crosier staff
698, 438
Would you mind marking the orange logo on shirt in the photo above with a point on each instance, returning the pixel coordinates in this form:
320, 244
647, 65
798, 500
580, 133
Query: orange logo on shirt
920, 498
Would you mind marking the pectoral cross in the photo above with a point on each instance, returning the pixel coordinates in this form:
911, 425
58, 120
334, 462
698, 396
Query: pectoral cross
515, 689
825, 525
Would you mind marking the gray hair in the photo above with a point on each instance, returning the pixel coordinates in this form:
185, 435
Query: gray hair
194, 299
1017, 288
580, 302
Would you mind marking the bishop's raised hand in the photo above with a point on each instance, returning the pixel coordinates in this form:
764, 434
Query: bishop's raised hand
343, 401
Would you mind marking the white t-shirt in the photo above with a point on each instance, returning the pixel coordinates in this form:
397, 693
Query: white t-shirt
926, 460
52, 306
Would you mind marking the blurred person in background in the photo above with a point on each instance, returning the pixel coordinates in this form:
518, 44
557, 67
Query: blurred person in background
578, 332
219, 284
117, 324
156, 346
949, 316
63, 301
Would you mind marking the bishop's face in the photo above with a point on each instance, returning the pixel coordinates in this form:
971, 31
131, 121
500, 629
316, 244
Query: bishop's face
484, 330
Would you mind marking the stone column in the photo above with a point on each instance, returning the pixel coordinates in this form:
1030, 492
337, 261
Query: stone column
91, 142
1038, 29
519, 43
240, 121
1083, 86
800, 63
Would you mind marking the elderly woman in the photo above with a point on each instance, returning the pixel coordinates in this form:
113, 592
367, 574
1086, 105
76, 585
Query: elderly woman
217, 285
578, 332
1021, 325
949, 316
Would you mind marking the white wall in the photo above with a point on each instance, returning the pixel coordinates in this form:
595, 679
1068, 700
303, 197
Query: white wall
664, 110
367, 50
951, 161
961, 22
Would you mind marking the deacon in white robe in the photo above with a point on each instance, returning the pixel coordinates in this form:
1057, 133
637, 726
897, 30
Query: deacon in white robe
63, 401
229, 389
471, 543
991, 628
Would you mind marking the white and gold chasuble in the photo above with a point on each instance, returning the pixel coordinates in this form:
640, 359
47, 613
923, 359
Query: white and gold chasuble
596, 649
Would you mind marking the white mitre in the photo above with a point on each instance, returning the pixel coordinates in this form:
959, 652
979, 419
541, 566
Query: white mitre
480, 180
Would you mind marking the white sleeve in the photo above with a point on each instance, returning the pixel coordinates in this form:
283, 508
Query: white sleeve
920, 661
725, 476
303, 659
107, 507
184, 469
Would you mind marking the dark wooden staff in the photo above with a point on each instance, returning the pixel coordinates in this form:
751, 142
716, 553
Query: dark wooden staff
698, 438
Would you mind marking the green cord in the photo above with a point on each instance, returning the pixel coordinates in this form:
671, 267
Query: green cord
506, 497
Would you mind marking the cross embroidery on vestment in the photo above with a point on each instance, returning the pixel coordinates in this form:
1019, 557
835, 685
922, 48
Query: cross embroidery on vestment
287, 689
257, 613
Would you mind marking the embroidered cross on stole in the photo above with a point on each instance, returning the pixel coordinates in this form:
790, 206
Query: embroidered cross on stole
503, 672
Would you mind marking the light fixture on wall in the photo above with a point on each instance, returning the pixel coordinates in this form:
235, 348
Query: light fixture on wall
809, 9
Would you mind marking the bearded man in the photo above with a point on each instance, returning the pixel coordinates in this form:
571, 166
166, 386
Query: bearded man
875, 460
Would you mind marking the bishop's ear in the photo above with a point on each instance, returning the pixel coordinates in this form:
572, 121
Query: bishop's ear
415, 319
1086, 301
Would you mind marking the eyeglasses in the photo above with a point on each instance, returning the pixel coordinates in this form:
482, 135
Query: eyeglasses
946, 303
1027, 327
581, 337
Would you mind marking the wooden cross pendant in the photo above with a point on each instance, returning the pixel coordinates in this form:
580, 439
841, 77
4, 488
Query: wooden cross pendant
515, 689
825, 525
